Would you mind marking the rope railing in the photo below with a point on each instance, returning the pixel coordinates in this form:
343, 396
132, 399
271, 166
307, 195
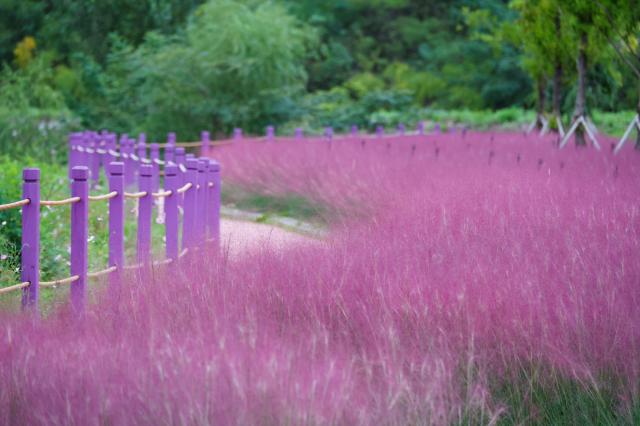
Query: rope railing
62, 281
103, 197
190, 219
162, 194
64, 202
15, 204
139, 194
15, 287
102, 272
184, 188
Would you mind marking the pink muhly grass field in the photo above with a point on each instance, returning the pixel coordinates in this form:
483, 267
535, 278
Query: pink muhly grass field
451, 267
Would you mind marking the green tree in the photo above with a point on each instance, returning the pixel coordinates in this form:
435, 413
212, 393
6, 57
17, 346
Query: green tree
235, 64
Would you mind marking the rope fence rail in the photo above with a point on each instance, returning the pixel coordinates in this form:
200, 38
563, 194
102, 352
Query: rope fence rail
191, 216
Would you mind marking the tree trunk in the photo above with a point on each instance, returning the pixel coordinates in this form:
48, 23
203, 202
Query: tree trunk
580, 107
557, 77
542, 86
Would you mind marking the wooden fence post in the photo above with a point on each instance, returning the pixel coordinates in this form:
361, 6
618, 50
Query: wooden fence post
94, 160
79, 235
30, 249
145, 205
182, 176
237, 133
168, 155
205, 139
380, 131
328, 133
299, 133
401, 129
116, 216
171, 221
155, 155
420, 128
190, 197
201, 202
270, 132
354, 131
171, 138
72, 153
214, 201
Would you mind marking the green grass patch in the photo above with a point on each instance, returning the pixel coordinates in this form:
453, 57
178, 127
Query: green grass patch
289, 205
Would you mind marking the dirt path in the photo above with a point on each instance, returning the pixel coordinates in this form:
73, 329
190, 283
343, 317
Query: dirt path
241, 236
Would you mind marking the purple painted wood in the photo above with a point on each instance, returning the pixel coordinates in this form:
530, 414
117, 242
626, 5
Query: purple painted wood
214, 201
205, 138
79, 235
299, 133
94, 161
354, 131
172, 219
72, 153
401, 129
328, 133
180, 160
380, 131
171, 138
237, 133
201, 202
169, 154
116, 215
270, 133
141, 152
189, 204
437, 128
145, 206
155, 155
31, 238
420, 128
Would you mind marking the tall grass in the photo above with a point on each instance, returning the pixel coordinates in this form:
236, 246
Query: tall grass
471, 279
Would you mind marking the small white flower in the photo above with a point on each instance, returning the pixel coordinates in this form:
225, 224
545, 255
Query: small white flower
4, 222
91, 238
3, 256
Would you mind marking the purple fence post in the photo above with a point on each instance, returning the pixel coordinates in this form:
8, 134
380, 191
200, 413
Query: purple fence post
180, 161
401, 129
171, 138
299, 133
168, 154
116, 215
154, 156
206, 140
270, 133
214, 201
328, 132
72, 153
420, 128
437, 128
141, 152
201, 200
79, 234
190, 199
94, 161
171, 221
31, 238
354, 131
380, 131
144, 213
237, 133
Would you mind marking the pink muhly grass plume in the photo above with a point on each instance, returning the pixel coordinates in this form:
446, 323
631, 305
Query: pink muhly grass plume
442, 276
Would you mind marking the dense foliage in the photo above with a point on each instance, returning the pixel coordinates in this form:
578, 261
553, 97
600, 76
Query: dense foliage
184, 65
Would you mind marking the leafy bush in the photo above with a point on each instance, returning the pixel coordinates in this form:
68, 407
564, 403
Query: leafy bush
232, 66
34, 120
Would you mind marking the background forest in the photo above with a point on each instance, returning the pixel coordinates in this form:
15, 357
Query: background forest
187, 65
